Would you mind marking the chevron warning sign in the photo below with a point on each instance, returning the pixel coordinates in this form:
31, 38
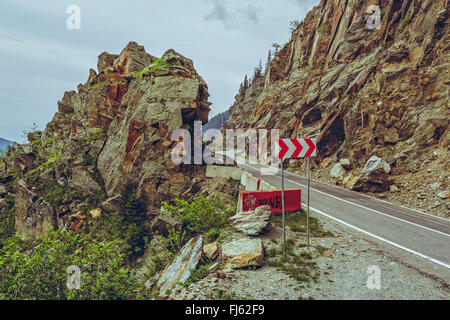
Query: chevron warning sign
297, 148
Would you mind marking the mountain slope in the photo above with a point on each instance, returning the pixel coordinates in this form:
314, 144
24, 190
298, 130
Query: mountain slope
364, 92
217, 121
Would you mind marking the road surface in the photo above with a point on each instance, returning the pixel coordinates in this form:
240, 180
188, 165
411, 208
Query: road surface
418, 233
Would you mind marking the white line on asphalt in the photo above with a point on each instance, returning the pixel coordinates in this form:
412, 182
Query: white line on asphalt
358, 205
384, 240
378, 212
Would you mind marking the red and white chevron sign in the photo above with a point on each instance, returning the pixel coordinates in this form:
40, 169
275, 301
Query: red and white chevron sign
297, 148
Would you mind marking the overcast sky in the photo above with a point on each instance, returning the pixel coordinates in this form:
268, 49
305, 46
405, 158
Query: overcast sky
40, 57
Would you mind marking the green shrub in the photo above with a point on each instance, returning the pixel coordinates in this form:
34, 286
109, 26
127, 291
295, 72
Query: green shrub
212, 235
176, 239
197, 275
38, 269
129, 224
7, 224
202, 214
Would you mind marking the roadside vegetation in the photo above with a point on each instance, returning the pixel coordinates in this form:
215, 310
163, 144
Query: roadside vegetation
298, 263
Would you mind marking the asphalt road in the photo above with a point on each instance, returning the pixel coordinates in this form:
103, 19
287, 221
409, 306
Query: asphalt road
418, 233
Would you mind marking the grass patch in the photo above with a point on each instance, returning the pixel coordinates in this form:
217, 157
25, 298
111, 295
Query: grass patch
44, 166
296, 221
155, 65
197, 275
223, 295
405, 21
96, 85
323, 28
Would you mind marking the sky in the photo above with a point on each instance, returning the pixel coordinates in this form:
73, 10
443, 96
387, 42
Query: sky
41, 58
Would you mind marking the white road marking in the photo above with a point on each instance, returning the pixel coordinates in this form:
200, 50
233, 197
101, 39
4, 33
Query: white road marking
383, 239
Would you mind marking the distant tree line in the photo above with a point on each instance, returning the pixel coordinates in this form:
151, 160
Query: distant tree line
216, 122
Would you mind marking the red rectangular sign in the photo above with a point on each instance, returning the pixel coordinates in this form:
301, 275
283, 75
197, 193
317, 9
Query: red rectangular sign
254, 199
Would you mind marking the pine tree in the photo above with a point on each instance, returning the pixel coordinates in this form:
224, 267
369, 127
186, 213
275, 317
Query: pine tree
276, 46
134, 230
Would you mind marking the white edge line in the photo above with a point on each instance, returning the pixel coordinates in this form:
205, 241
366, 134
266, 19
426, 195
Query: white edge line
371, 198
378, 212
361, 206
384, 240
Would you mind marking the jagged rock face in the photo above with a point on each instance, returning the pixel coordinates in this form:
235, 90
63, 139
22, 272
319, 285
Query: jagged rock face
360, 92
115, 130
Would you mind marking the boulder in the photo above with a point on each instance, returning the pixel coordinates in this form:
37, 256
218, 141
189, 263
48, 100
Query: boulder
180, 268
338, 172
373, 178
443, 194
33, 215
325, 162
243, 253
346, 163
252, 223
393, 188
435, 186
212, 250
376, 166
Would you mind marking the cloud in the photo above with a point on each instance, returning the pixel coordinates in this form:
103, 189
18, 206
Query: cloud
219, 12
251, 12
230, 16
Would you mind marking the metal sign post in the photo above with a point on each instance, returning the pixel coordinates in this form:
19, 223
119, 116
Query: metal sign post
307, 212
295, 148
282, 208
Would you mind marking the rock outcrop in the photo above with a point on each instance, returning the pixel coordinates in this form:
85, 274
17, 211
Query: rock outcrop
113, 132
180, 269
251, 223
361, 92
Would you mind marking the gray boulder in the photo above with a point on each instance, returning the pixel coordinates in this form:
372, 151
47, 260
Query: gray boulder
252, 223
243, 253
373, 178
338, 172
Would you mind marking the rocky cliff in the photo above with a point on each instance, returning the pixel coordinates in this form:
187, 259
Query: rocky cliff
114, 132
364, 92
